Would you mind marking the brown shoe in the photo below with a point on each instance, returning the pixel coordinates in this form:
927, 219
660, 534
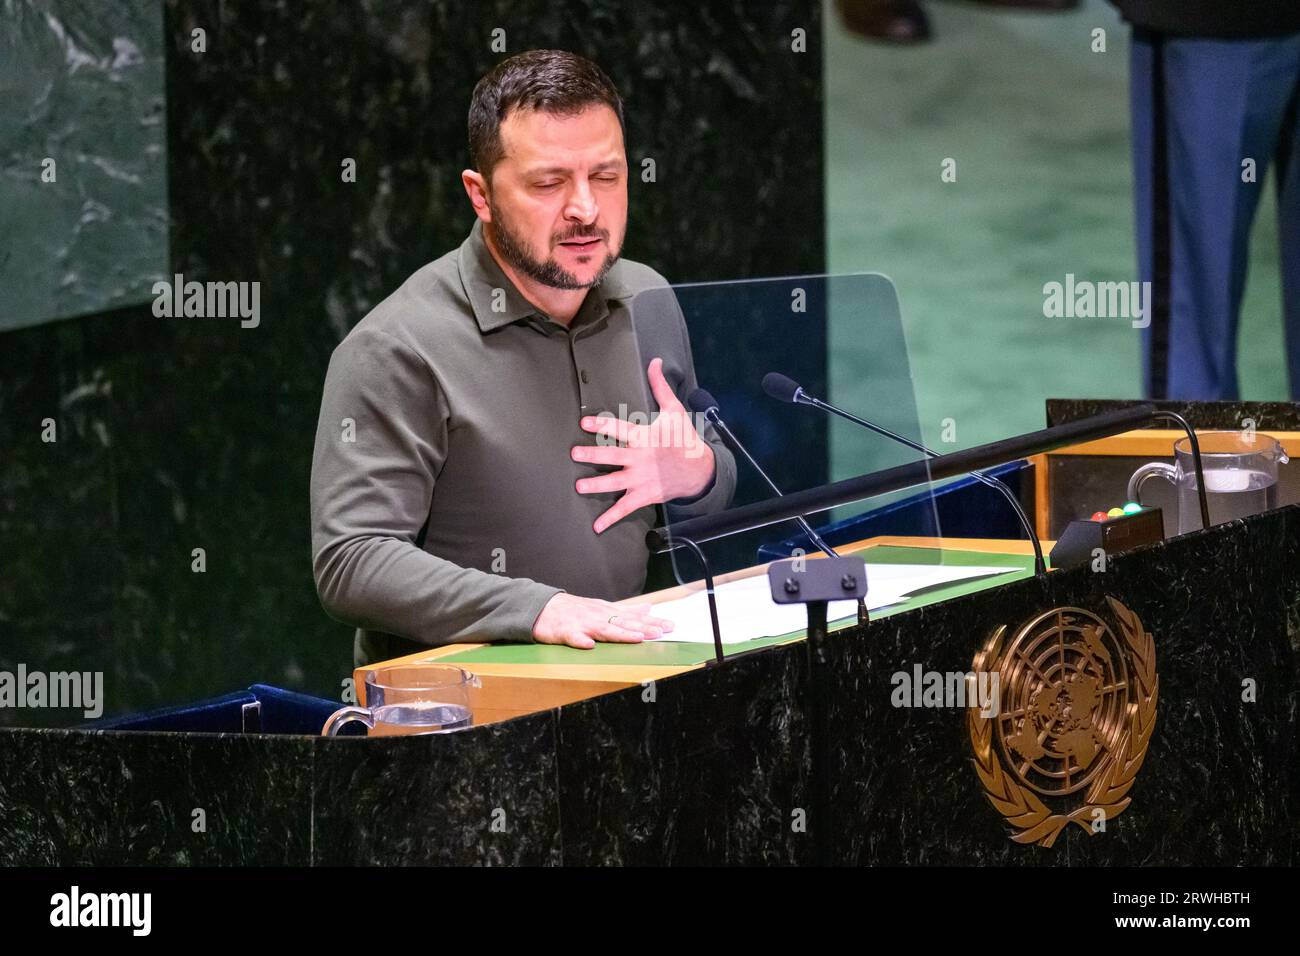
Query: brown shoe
893, 21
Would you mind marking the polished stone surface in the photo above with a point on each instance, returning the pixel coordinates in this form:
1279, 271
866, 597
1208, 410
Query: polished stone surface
70, 797
487, 797
710, 765
83, 172
1267, 416
1218, 784
766, 759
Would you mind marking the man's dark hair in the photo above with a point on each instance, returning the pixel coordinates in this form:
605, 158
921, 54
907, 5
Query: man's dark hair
551, 81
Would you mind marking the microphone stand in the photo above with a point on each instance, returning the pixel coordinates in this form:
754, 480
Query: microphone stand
680, 542
712, 415
1040, 565
1196, 460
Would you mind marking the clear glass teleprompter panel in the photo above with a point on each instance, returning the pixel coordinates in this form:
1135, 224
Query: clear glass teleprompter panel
839, 338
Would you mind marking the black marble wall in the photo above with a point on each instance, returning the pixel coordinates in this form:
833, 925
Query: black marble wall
72, 797
177, 434
717, 765
1268, 416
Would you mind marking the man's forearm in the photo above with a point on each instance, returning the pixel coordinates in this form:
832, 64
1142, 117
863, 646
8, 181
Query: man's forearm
384, 584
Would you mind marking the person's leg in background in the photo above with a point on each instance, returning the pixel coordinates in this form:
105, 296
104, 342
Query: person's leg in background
1288, 225
1199, 109
1150, 202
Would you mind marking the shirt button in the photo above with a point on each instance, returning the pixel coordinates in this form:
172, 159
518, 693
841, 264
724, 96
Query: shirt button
585, 377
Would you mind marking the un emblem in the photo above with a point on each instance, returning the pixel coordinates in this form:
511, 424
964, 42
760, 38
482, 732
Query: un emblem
1077, 709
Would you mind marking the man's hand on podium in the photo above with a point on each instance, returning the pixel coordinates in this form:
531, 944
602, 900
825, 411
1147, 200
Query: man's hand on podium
580, 622
663, 461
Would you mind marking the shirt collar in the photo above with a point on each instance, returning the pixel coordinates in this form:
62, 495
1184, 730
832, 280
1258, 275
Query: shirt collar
481, 275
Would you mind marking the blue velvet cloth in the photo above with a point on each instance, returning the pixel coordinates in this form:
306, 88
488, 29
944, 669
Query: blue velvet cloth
216, 715
288, 712
278, 712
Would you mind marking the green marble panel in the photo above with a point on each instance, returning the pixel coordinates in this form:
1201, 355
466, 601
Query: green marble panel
83, 157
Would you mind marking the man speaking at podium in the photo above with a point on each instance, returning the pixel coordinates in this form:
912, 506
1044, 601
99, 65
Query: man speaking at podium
473, 479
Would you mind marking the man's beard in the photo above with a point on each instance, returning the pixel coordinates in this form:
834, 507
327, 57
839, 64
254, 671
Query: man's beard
549, 272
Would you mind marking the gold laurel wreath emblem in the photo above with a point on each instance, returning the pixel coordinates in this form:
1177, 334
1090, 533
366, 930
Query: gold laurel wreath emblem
1109, 792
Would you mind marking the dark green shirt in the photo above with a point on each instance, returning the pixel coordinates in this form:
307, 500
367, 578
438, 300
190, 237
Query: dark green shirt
443, 505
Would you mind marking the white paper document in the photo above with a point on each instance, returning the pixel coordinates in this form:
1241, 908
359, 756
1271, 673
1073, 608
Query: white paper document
746, 610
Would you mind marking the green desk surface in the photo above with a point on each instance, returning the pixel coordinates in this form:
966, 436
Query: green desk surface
675, 654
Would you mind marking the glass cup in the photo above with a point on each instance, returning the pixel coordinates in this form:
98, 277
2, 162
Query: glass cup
411, 699
1240, 476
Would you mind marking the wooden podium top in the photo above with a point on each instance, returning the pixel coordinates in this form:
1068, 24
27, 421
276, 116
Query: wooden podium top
521, 678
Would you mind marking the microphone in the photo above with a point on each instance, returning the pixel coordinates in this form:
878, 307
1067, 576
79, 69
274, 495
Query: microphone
701, 402
785, 389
